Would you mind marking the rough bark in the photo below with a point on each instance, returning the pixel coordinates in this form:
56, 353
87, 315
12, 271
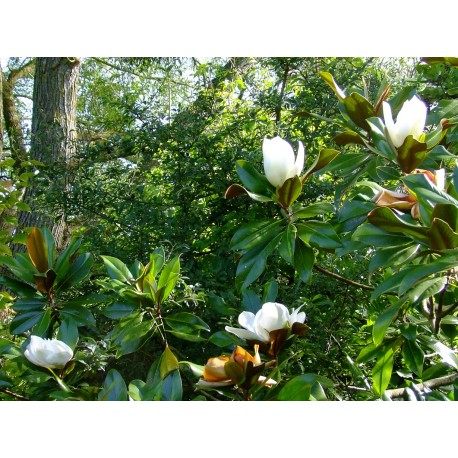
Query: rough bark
53, 139
12, 119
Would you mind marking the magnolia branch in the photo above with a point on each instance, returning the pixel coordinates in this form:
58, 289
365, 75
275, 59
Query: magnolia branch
343, 279
429, 384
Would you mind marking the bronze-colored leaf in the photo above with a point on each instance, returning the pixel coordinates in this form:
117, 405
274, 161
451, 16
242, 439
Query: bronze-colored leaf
37, 250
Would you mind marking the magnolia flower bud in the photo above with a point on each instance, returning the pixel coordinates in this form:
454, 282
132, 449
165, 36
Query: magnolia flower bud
410, 121
214, 369
279, 161
48, 353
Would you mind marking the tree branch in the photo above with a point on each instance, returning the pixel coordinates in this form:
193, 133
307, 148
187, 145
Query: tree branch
433, 383
343, 279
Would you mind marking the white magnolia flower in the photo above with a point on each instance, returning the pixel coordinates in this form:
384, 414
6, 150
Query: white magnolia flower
410, 121
270, 317
48, 353
279, 161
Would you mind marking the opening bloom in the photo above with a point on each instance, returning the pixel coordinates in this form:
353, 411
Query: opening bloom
49, 353
271, 317
408, 201
240, 368
279, 161
410, 121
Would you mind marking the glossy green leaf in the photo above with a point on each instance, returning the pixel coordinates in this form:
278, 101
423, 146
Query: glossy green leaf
168, 279
80, 314
289, 191
63, 260
25, 321
359, 109
383, 322
270, 291
224, 339
21, 270
318, 234
304, 259
319, 208
186, 322
117, 269
252, 234
372, 235
413, 356
68, 332
424, 189
43, 324
413, 274
169, 363
251, 302
118, 310
427, 288
446, 353
346, 164
287, 244
24, 304
235, 190
300, 387
114, 387
381, 372
348, 137
386, 219
254, 181
77, 272
324, 158
368, 353
392, 256
441, 236
253, 262
329, 79
127, 336
411, 154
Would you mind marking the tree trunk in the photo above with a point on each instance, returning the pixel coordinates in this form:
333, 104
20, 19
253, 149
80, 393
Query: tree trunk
53, 139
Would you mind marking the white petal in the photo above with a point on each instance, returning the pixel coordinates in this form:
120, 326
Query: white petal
246, 320
299, 164
273, 316
245, 334
389, 124
278, 160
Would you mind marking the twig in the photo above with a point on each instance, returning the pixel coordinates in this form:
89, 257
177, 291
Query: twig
343, 279
15, 395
